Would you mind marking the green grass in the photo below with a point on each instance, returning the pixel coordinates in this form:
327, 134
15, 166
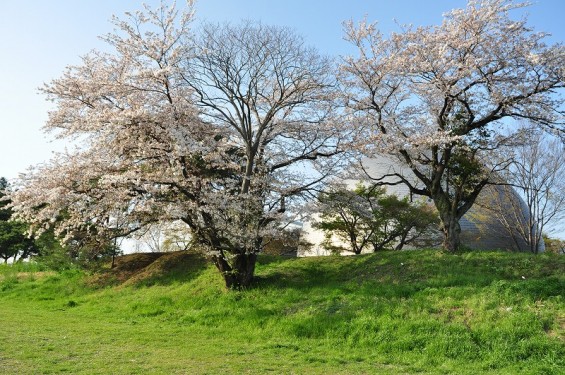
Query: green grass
387, 313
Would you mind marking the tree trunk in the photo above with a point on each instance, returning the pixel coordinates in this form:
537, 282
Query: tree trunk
451, 233
238, 273
402, 241
353, 240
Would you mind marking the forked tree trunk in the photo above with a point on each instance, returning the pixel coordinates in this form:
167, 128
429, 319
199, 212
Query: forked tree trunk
238, 273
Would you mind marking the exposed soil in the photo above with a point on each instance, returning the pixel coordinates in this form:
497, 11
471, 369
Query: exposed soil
147, 267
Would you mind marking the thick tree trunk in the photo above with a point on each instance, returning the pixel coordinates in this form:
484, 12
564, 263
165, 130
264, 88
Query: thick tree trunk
353, 240
238, 273
451, 233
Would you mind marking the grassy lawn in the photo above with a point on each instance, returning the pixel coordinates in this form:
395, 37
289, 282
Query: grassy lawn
386, 313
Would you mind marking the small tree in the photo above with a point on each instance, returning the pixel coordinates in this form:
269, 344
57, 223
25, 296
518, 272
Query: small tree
367, 216
164, 237
349, 215
177, 237
52, 253
406, 223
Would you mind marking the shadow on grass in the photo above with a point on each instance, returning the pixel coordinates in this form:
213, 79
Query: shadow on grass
396, 274
146, 269
403, 273
301, 273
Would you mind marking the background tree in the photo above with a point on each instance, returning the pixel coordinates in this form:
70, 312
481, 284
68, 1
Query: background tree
5, 212
14, 243
367, 216
164, 237
349, 216
437, 99
406, 223
554, 245
537, 172
216, 129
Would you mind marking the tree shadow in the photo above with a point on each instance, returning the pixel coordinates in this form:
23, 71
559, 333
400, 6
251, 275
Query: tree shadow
147, 269
402, 274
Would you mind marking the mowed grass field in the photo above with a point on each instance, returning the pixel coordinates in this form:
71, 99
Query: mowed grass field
386, 313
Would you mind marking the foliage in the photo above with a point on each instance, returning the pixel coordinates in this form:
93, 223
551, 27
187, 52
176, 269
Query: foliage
212, 127
388, 313
5, 212
46, 248
439, 99
554, 245
367, 216
14, 243
52, 254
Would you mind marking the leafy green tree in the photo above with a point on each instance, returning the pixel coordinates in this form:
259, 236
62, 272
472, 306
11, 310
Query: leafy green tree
347, 215
5, 212
554, 245
52, 254
405, 223
14, 243
367, 216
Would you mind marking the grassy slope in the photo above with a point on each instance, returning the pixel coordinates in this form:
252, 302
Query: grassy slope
393, 312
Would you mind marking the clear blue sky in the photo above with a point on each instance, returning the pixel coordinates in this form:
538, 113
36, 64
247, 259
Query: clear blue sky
39, 38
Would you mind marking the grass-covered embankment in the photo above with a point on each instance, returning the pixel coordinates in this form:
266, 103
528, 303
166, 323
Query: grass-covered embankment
392, 312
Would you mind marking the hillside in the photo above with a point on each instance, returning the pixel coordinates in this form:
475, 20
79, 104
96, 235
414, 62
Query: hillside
389, 313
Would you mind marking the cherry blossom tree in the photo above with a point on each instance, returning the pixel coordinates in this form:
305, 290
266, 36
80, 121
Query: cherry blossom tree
440, 99
222, 128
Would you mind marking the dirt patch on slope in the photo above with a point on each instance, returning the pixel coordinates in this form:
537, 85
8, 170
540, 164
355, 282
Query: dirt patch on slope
150, 268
